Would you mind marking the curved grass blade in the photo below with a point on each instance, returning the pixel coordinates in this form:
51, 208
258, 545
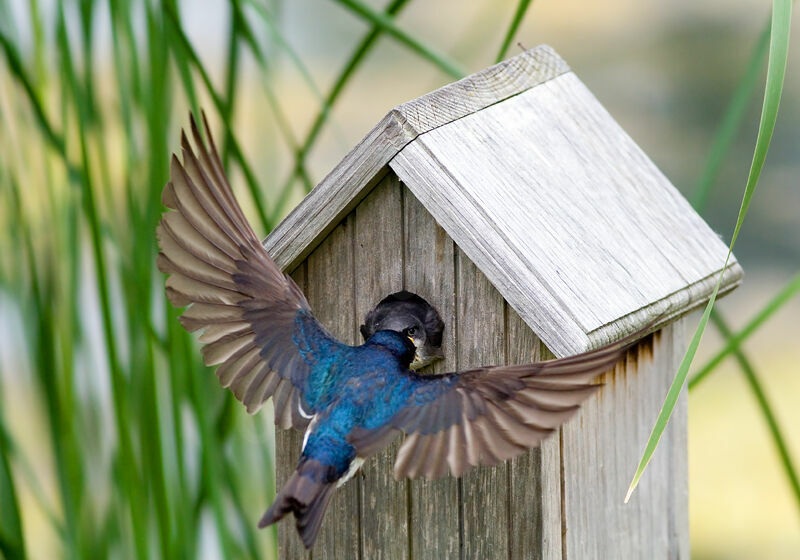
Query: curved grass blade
519, 15
220, 105
231, 72
15, 64
130, 475
284, 45
766, 409
12, 539
734, 341
280, 117
776, 71
346, 73
387, 25
41, 341
731, 122
23, 464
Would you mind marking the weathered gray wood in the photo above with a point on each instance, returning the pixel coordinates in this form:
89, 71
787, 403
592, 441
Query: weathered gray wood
379, 272
535, 477
330, 291
576, 227
288, 444
482, 89
517, 509
676, 445
429, 272
601, 448
351, 180
480, 340
560, 213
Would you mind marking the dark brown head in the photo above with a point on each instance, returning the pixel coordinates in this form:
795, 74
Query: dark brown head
411, 315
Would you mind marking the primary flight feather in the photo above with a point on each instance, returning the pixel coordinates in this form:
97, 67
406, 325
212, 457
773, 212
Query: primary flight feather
352, 401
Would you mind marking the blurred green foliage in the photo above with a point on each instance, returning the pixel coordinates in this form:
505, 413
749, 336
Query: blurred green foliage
144, 455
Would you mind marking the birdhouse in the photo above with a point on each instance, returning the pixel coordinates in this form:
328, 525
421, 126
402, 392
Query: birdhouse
514, 203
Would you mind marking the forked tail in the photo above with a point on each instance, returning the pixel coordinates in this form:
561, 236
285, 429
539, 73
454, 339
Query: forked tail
306, 494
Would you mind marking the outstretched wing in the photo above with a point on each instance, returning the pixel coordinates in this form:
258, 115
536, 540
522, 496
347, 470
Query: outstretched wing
257, 325
484, 416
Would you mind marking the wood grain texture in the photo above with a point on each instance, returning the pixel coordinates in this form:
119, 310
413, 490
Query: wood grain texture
601, 448
480, 340
330, 291
534, 529
482, 89
360, 170
676, 445
288, 444
429, 271
379, 272
567, 217
562, 500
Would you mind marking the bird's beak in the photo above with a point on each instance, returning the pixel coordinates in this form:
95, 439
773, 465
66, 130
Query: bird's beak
417, 363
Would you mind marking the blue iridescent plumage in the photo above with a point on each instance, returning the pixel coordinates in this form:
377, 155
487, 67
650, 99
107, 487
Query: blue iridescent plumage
351, 401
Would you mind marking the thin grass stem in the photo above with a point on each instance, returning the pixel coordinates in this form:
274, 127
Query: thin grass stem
516, 20
764, 406
776, 72
734, 341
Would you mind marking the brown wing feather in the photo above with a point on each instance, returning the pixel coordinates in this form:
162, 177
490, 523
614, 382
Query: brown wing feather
243, 304
488, 415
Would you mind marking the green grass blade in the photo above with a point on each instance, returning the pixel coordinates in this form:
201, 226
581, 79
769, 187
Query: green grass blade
211, 453
12, 540
23, 464
776, 71
219, 104
733, 342
353, 62
281, 120
387, 25
129, 472
731, 121
348, 70
726, 133
42, 352
231, 72
16, 67
766, 409
284, 45
247, 525
519, 15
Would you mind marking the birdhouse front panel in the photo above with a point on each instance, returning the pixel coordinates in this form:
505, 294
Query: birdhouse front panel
514, 203
565, 496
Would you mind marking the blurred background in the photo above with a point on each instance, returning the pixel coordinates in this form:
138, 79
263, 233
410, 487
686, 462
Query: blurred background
116, 441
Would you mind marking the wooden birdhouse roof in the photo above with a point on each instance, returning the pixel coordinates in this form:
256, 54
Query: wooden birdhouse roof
541, 188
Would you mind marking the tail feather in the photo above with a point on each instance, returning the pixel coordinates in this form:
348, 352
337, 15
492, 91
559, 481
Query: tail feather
310, 521
306, 494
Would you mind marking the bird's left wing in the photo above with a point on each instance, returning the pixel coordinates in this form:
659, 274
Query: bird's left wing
484, 416
257, 325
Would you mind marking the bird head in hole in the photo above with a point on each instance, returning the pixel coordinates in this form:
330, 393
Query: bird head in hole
411, 315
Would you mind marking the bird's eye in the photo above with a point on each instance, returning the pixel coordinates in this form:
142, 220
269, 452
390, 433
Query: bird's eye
411, 331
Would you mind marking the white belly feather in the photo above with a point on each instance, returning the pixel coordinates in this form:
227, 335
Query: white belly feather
355, 464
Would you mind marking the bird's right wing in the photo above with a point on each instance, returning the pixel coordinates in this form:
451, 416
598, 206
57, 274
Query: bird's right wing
256, 323
484, 416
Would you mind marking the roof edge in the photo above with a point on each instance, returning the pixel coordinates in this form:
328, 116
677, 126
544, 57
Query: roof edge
495, 256
669, 309
361, 169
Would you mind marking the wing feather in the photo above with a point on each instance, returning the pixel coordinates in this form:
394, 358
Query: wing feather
255, 322
484, 416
